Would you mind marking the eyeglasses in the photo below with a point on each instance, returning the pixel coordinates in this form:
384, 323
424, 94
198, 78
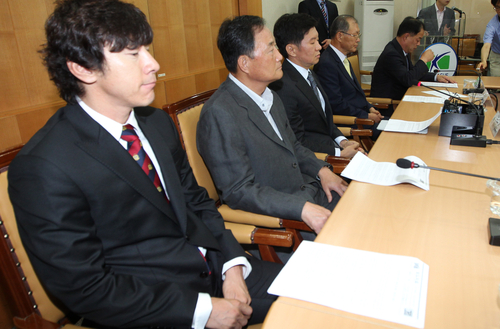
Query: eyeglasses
353, 35
496, 8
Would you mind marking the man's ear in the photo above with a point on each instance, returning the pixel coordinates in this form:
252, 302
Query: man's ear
243, 62
81, 73
291, 49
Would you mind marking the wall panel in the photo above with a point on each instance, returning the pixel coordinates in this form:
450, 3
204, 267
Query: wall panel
184, 45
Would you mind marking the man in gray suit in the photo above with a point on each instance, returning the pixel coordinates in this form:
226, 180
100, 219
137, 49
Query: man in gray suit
246, 141
438, 20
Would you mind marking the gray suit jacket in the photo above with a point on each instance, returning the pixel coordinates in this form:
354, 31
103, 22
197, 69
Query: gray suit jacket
253, 169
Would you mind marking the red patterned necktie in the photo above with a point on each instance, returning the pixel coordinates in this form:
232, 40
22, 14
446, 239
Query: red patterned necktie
134, 147
323, 10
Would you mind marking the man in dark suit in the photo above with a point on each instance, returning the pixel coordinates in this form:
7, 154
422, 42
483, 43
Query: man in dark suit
336, 75
438, 20
394, 71
319, 9
243, 135
108, 209
307, 107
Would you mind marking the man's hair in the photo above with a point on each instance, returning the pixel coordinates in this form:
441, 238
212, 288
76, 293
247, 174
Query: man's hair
291, 29
78, 31
410, 25
237, 37
341, 24
493, 2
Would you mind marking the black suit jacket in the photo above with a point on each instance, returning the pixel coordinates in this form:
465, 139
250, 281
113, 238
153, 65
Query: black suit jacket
391, 75
312, 8
101, 238
344, 93
429, 17
313, 127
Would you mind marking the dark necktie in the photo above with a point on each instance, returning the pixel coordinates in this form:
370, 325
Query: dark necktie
314, 86
134, 147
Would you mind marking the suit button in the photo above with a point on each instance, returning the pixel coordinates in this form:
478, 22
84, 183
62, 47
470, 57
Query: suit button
187, 238
294, 165
203, 274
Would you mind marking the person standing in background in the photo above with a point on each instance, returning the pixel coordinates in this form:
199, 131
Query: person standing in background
325, 13
491, 46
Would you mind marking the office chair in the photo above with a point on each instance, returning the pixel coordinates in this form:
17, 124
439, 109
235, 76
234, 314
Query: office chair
185, 114
31, 305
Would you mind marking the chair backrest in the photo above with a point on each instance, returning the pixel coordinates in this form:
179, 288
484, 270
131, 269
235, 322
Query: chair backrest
186, 114
354, 60
31, 302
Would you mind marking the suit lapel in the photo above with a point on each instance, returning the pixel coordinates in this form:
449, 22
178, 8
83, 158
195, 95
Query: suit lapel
304, 87
169, 174
256, 115
103, 147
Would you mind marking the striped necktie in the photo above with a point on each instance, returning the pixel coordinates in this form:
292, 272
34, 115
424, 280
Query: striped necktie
323, 11
134, 147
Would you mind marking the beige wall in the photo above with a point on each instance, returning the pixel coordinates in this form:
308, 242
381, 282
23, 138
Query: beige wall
478, 12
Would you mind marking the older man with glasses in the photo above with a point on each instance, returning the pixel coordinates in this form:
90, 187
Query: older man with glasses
336, 75
491, 41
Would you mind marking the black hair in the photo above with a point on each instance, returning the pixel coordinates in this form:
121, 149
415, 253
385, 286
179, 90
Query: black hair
291, 29
237, 37
78, 31
410, 25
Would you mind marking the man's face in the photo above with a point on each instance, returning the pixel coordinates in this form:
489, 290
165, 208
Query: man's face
307, 53
443, 2
348, 43
128, 79
265, 66
412, 42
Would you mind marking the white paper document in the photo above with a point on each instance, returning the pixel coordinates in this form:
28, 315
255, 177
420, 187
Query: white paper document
402, 126
363, 169
423, 99
386, 287
445, 94
439, 84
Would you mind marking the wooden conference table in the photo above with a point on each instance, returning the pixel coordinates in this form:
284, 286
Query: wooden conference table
445, 227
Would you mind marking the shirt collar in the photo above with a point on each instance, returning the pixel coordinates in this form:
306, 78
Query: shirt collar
303, 72
339, 53
437, 9
111, 126
264, 101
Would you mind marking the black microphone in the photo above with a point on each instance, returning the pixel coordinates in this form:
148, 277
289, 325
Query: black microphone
407, 164
457, 10
419, 84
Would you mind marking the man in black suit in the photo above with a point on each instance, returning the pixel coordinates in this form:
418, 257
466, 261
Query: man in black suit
336, 75
108, 209
319, 9
307, 107
438, 20
394, 72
